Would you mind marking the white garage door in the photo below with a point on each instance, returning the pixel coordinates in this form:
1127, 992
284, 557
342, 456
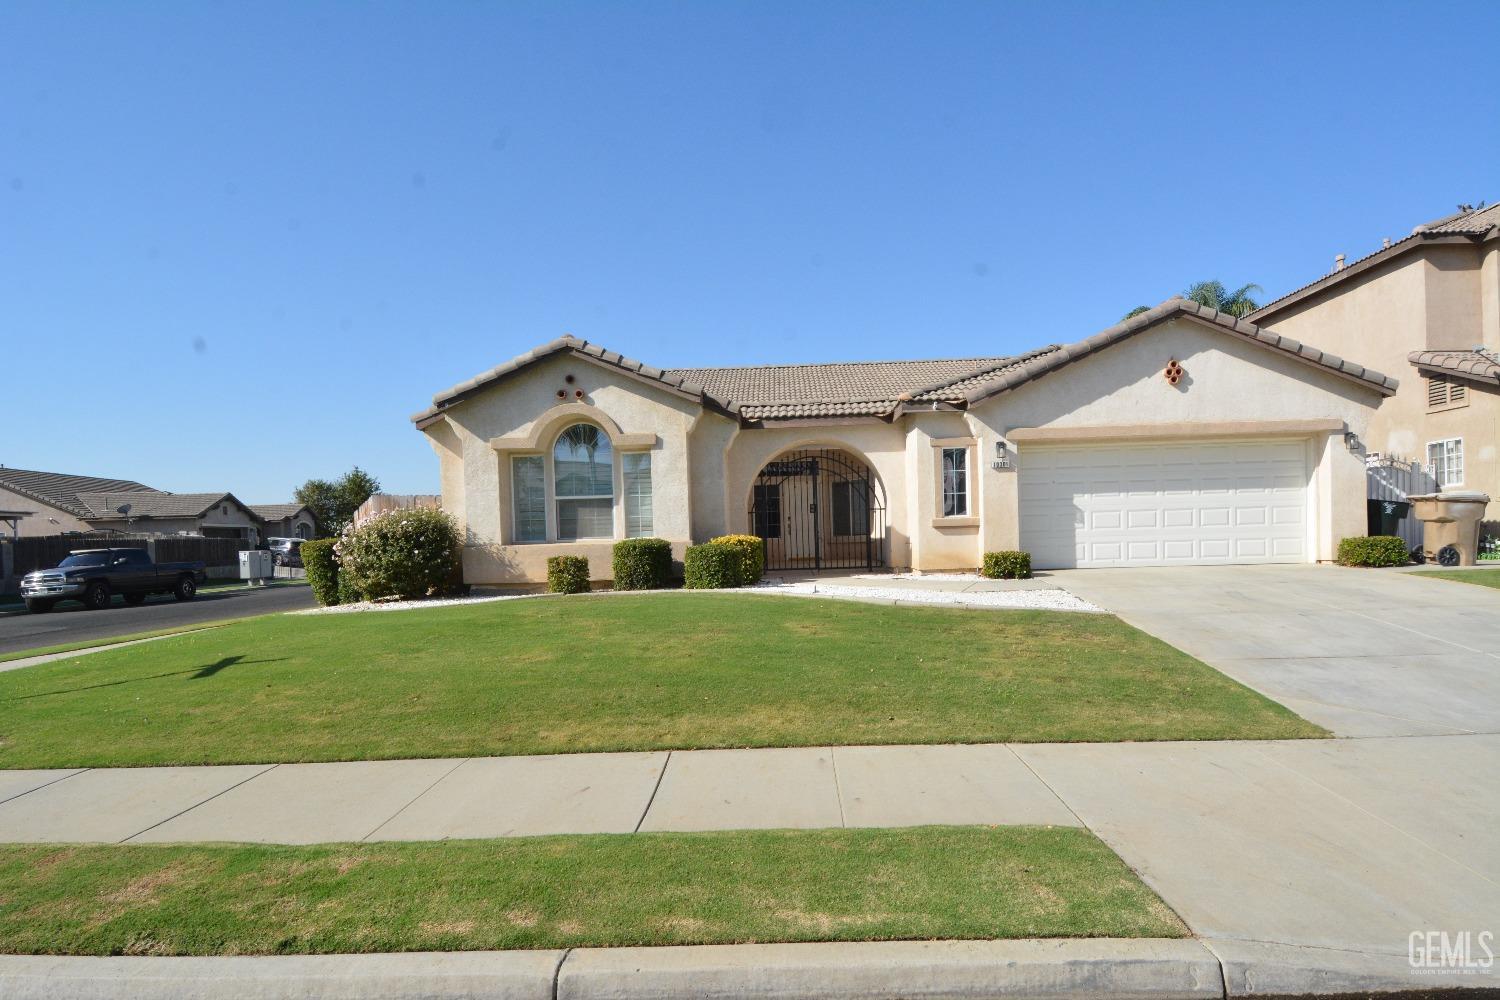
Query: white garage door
1165, 504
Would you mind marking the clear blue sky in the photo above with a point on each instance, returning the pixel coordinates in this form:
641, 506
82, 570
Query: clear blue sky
290, 224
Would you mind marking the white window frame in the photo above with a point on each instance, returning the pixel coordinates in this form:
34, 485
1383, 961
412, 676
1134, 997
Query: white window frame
557, 499
1452, 454
966, 494
515, 507
626, 496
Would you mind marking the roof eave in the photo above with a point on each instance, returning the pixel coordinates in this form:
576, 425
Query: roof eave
1378, 258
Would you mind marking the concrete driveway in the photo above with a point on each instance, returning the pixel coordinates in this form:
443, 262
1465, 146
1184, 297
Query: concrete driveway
1360, 652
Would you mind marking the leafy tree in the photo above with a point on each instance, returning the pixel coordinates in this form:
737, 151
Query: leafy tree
1134, 312
335, 502
1213, 294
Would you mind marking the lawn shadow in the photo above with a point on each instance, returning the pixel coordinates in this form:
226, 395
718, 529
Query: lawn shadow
207, 670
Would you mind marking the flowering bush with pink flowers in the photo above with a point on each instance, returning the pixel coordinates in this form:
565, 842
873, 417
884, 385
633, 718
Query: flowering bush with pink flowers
410, 553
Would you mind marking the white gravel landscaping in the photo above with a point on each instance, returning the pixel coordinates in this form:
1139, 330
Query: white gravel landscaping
1044, 599
1049, 599
432, 602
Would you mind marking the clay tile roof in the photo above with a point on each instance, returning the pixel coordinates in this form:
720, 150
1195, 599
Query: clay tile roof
1477, 364
61, 490
882, 388
854, 388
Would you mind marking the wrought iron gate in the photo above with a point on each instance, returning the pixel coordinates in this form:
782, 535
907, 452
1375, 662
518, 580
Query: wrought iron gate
819, 509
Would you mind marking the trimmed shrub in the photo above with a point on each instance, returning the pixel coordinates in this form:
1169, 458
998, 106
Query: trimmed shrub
642, 564
409, 553
1009, 565
750, 552
567, 574
322, 570
712, 566
1374, 550
348, 592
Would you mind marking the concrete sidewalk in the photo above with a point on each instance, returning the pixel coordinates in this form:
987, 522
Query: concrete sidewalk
1339, 844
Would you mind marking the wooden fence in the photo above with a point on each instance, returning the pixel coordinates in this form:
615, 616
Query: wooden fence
382, 503
1388, 477
46, 551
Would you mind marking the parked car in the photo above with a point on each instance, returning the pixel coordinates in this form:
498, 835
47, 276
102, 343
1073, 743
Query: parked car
285, 551
94, 576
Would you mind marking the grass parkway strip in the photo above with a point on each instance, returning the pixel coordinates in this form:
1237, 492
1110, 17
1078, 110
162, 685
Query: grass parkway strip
554, 892
578, 674
618, 673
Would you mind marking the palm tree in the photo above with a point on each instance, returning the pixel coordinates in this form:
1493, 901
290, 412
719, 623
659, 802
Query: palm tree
1213, 294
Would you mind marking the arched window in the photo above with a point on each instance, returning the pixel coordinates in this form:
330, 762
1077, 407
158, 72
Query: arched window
584, 483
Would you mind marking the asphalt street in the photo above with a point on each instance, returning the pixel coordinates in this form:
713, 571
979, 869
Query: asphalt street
70, 622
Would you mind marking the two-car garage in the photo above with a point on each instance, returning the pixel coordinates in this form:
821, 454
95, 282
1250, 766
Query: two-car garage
1166, 503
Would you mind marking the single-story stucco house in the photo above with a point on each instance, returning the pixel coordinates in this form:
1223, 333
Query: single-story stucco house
1180, 436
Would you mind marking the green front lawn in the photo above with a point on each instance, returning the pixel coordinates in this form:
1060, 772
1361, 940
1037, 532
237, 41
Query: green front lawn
1484, 577
556, 892
593, 673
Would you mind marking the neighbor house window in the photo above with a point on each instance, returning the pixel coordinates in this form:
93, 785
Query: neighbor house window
1447, 461
528, 482
583, 483
955, 482
637, 475
851, 508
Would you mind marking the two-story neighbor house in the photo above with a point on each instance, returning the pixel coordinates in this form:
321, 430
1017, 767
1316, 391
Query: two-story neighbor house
1180, 436
1427, 305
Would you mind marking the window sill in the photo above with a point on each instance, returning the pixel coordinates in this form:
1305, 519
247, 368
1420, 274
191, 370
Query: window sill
955, 522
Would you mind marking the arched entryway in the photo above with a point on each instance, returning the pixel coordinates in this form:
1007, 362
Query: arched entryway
817, 509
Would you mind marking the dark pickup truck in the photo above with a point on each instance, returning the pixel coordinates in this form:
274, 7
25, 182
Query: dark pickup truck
94, 576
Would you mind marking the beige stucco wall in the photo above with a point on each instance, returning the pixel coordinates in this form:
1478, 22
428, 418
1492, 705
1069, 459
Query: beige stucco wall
41, 522
1439, 297
704, 465
476, 479
1227, 380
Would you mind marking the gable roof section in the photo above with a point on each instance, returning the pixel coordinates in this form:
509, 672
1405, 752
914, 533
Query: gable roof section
883, 389
278, 511
564, 344
61, 490
846, 389
1476, 365
1169, 310
1475, 226
105, 506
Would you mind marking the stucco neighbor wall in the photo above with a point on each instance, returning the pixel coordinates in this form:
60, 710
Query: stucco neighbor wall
1439, 297
41, 520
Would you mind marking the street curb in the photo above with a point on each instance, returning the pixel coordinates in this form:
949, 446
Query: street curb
1062, 969
1148, 969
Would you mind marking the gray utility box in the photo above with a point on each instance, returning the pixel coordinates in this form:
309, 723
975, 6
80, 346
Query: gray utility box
1450, 525
256, 565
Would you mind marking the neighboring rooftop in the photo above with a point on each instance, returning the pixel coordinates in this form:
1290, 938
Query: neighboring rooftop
61, 489
276, 511
106, 506
883, 388
1472, 224
1478, 364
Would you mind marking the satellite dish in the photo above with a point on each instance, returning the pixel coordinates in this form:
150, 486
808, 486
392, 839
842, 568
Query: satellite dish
124, 508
